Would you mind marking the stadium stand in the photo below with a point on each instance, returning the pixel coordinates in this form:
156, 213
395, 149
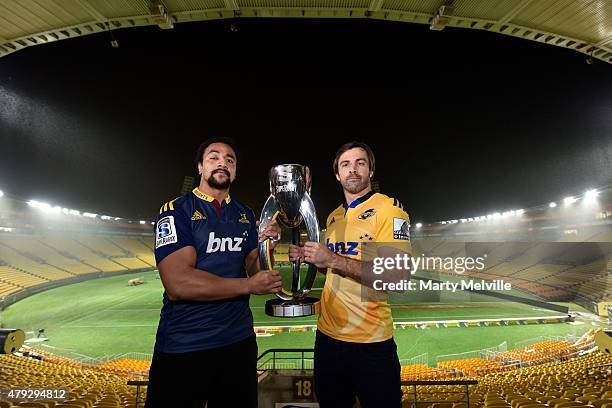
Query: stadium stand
563, 379
73, 248
572, 383
87, 388
574, 271
30, 261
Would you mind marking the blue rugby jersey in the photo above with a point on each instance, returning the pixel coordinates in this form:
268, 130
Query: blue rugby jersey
223, 235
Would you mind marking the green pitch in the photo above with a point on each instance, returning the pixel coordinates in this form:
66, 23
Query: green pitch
105, 316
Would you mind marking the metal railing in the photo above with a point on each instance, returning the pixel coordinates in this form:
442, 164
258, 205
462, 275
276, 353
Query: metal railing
275, 359
415, 393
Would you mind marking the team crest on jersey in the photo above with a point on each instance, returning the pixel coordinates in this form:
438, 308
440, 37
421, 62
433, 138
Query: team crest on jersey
165, 232
243, 219
197, 216
367, 214
401, 229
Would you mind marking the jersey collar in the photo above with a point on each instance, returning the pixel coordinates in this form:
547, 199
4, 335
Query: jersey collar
359, 200
196, 191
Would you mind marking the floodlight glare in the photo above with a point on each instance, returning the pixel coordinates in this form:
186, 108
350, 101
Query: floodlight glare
552, 204
590, 196
569, 200
1, 193
418, 225
143, 222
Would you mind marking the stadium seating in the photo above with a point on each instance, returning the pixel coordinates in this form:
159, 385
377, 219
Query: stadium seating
87, 388
31, 260
539, 268
561, 384
126, 367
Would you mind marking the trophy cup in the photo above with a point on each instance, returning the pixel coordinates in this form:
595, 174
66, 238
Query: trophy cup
290, 205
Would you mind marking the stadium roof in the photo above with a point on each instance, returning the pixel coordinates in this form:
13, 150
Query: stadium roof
581, 25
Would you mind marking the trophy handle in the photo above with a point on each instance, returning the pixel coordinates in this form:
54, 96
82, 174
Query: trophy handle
307, 210
269, 214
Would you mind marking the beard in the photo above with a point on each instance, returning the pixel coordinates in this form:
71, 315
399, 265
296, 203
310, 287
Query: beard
219, 185
355, 186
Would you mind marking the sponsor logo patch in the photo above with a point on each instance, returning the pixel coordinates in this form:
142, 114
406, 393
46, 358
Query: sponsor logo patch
243, 219
223, 244
400, 229
165, 232
367, 214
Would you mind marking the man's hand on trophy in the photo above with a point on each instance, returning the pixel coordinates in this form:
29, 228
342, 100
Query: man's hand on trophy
272, 231
318, 254
264, 282
296, 253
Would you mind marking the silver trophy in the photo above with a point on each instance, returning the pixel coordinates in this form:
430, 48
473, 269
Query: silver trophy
290, 205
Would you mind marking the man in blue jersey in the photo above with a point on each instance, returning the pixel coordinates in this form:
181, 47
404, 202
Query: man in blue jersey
206, 253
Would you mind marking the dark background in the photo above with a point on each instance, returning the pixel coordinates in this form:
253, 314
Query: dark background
462, 122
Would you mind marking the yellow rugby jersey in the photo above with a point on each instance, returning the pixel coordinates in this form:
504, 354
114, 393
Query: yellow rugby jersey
345, 315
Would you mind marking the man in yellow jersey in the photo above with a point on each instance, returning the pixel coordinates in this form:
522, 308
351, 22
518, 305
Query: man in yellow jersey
355, 354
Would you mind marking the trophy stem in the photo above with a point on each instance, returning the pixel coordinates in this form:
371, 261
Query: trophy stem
295, 280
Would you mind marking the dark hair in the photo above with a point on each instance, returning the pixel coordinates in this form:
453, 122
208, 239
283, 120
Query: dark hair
351, 145
219, 139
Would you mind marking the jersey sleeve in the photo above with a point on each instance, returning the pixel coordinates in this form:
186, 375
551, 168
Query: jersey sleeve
172, 231
252, 239
393, 223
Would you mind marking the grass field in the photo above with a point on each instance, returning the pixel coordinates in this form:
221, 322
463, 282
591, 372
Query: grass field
105, 316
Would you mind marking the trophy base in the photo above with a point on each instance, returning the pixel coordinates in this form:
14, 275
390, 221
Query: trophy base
282, 308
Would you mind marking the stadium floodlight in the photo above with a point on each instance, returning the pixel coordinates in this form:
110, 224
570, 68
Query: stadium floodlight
117, 218
470, 219
105, 217
45, 207
552, 204
89, 215
569, 200
463, 220
443, 222
142, 222
418, 225
75, 212
519, 212
590, 196
152, 223
1, 193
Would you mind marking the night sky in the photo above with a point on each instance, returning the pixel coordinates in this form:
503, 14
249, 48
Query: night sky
462, 122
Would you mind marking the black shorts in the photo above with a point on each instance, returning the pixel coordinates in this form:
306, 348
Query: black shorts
222, 377
368, 371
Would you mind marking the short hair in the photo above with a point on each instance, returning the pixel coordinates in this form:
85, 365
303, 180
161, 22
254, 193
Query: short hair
351, 145
217, 139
